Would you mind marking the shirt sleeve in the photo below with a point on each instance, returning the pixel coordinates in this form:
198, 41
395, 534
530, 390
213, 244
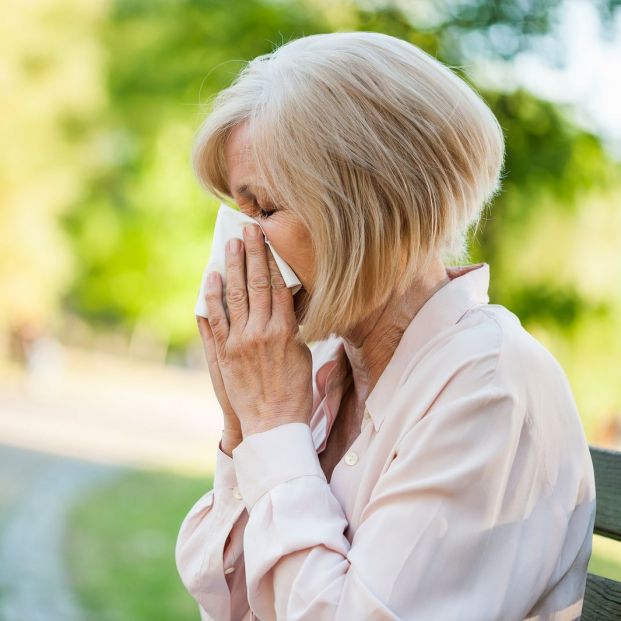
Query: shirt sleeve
209, 548
458, 527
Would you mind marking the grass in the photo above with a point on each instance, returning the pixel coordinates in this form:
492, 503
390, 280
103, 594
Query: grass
121, 548
122, 540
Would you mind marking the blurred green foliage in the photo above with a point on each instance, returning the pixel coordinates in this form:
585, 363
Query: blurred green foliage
101, 216
144, 238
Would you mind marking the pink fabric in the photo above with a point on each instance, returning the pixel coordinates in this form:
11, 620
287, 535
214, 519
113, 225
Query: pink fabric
468, 495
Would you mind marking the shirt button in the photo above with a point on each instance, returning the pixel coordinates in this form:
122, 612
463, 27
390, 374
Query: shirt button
351, 458
229, 570
236, 493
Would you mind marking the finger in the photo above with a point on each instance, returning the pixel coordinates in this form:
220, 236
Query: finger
209, 347
236, 292
215, 312
258, 279
282, 299
207, 338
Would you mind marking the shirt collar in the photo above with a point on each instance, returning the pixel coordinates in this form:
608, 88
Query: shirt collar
467, 288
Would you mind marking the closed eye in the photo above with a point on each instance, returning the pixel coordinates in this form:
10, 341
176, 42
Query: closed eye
263, 213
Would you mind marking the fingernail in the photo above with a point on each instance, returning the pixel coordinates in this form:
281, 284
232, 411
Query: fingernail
212, 278
252, 230
235, 245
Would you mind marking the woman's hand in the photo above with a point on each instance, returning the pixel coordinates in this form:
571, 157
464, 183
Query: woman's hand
266, 368
232, 434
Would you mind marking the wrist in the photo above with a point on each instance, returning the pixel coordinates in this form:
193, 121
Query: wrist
266, 425
230, 439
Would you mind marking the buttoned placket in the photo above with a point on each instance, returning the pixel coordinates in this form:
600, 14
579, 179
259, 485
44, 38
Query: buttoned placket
351, 457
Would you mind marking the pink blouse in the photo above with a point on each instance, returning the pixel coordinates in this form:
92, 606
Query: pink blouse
469, 493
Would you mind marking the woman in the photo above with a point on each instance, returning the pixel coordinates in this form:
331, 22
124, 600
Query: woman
425, 459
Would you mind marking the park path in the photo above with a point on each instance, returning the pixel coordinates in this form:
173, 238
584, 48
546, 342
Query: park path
37, 492
106, 408
74, 426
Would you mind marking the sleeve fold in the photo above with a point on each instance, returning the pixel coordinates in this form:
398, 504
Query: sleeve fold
209, 541
459, 510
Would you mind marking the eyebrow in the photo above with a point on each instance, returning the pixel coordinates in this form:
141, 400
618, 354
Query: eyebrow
244, 189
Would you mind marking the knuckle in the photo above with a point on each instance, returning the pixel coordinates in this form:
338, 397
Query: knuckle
274, 333
257, 337
291, 328
260, 282
278, 282
262, 339
233, 349
215, 322
235, 296
279, 331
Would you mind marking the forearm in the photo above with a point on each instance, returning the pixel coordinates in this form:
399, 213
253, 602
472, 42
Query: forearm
209, 551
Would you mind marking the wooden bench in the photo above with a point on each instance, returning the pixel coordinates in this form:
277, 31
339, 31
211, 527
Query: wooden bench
602, 596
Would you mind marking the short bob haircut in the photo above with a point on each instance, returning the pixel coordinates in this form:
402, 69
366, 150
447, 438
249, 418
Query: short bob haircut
384, 154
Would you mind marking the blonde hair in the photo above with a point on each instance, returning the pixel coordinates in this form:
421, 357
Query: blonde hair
384, 154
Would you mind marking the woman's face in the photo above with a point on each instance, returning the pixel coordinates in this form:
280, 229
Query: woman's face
285, 232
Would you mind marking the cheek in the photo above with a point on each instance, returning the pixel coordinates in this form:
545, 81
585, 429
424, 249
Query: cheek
283, 242
294, 247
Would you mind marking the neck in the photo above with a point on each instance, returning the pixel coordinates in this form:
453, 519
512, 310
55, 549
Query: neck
370, 344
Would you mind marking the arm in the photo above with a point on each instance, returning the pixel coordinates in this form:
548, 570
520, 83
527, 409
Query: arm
203, 533
210, 541
458, 527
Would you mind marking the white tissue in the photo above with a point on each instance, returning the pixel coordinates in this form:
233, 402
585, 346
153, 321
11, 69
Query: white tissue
229, 224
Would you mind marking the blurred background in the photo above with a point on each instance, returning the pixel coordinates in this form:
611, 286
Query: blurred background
108, 425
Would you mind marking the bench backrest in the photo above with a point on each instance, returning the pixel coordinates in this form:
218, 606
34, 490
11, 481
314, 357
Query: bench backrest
602, 596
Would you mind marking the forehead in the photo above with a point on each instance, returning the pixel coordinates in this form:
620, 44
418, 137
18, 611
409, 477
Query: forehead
238, 149
242, 177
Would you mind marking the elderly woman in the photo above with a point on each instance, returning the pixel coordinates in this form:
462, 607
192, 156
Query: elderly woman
424, 458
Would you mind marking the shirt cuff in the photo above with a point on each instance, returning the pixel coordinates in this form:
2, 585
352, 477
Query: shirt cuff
266, 459
224, 476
